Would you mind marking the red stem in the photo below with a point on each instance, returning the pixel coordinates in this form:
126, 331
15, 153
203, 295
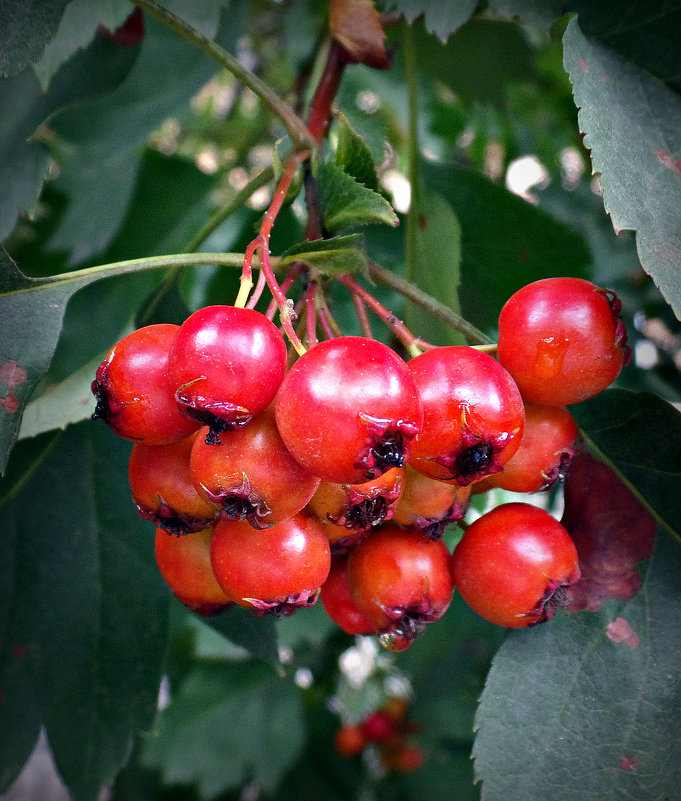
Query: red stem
285, 285
414, 345
321, 106
321, 111
311, 313
362, 316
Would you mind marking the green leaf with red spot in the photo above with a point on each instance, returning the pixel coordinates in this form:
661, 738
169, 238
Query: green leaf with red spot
632, 125
31, 318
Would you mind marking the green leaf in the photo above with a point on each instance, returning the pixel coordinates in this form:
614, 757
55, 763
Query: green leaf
442, 18
437, 260
506, 242
258, 635
346, 203
87, 608
151, 227
20, 713
339, 254
228, 724
542, 13
25, 27
480, 62
570, 713
106, 137
639, 435
632, 126
76, 30
24, 106
70, 401
460, 644
26, 305
649, 38
353, 155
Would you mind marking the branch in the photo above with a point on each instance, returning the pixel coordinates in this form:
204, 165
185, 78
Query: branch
149, 263
296, 128
429, 304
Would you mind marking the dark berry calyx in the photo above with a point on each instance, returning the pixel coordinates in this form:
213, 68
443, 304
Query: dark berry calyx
219, 416
560, 471
433, 528
107, 406
285, 606
620, 329
235, 507
242, 503
388, 452
390, 445
472, 461
476, 458
170, 521
556, 596
365, 514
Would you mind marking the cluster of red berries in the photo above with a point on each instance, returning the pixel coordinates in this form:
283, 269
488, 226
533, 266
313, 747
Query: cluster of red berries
336, 476
386, 731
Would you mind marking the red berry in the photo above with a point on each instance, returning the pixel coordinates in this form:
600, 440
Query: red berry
350, 740
348, 410
250, 474
397, 574
430, 505
162, 487
339, 604
349, 508
562, 340
135, 396
403, 758
513, 564
473, 415
184, 563
226, 365
274, 570
544, 454
379, 727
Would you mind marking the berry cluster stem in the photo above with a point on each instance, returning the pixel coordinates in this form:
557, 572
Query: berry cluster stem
428, 303
413, 344
261, 245
295, 127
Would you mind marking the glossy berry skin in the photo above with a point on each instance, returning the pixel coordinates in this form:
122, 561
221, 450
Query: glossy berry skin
397, 574
513, 565
162, 488
226, 364
250, 474
135, 396
348, 410
562, 340
272, 571
339, 604
184, 563
544, 454
430, 505
473, 415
